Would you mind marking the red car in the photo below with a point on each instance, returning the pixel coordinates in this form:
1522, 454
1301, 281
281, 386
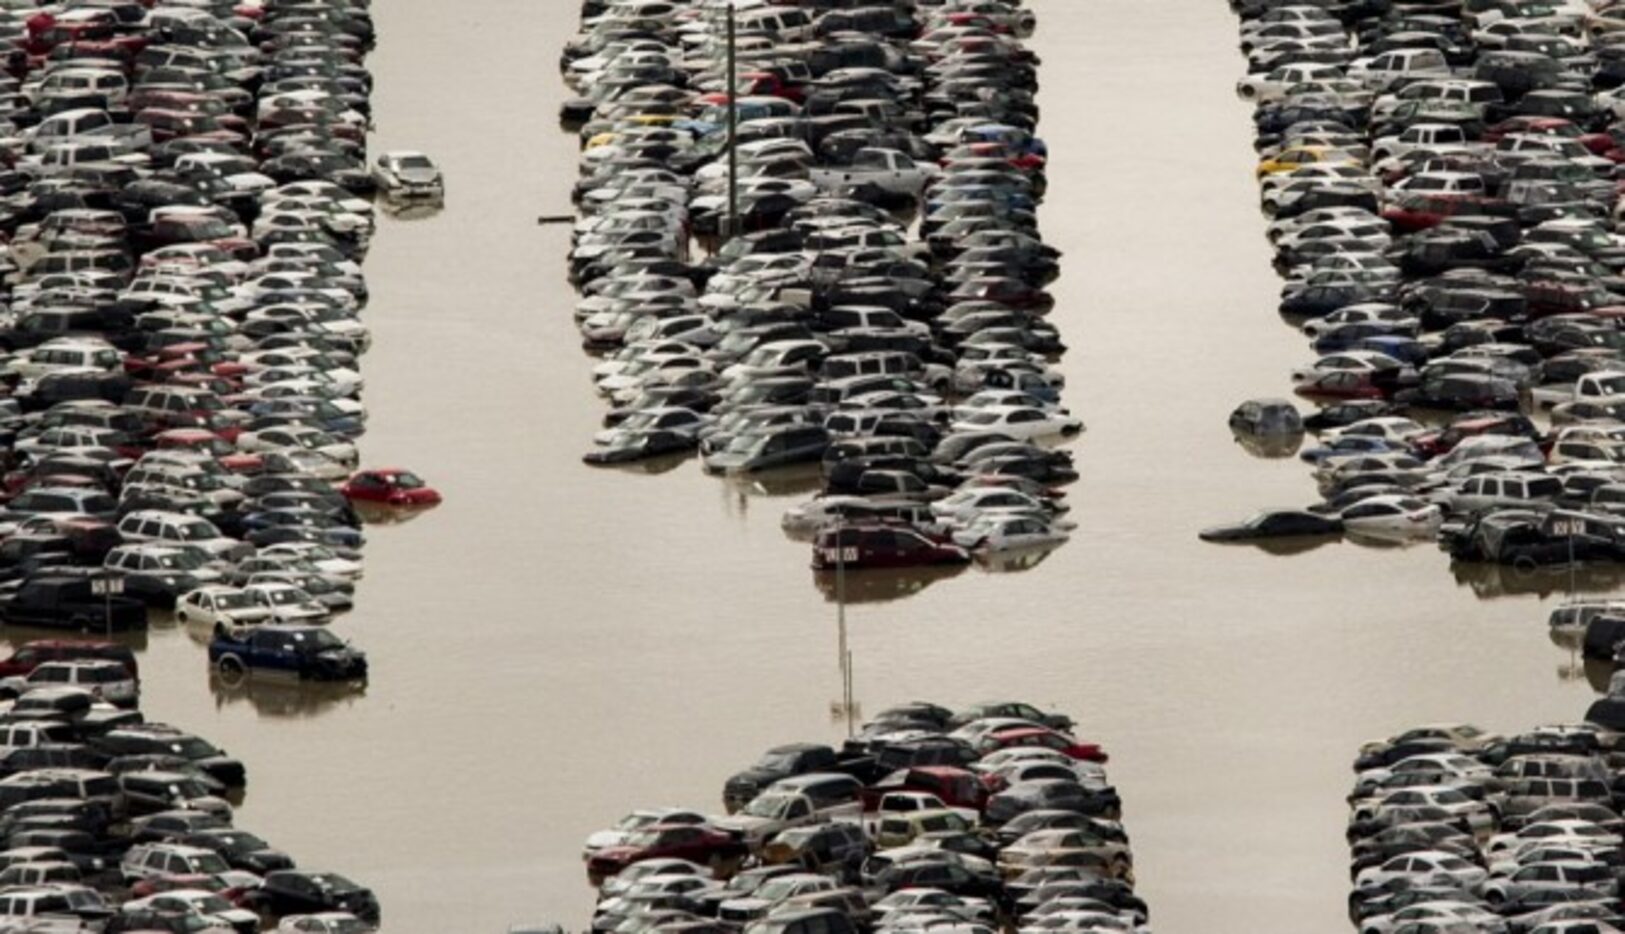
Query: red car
239, 897
31, 654
882, 546
1420, 212
693, 842
1434, 443
391, 486
768, 84
1339, 384
182, 357
199, 439
1043, 737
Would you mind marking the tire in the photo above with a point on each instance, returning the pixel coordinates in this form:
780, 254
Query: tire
231, 664
81, 623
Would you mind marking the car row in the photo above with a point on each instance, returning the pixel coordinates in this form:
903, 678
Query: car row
1442, 190
993, 817
110, 822
1453, 828
849, 277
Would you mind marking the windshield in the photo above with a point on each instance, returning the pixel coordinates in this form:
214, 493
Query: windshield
319, 639
194, 748
232, 601
767, 806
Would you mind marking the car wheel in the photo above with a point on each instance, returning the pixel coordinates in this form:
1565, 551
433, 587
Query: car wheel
81, 623
231, 665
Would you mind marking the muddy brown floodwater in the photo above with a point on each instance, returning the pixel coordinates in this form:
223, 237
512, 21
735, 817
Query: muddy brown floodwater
557, 645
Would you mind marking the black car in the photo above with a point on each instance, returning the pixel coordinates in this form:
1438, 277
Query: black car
779, 762
157, 739
295, 892
52, 602
1051, 794
241, 849
1274, 523
641, 445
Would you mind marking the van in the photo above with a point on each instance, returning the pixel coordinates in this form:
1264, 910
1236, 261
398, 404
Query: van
27, 735
781, 23
93, 787
106, 679
168, 859
849, 448
173, 406
173, 527
769, 448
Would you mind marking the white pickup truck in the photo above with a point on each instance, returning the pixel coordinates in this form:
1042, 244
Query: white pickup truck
886, 169
1603, 388
896, 803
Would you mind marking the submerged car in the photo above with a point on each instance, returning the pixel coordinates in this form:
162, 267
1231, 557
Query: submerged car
309, 652
1274, 523
390, 486
882, 546
407, 174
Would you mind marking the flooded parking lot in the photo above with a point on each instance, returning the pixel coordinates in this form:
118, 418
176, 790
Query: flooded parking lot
558, 645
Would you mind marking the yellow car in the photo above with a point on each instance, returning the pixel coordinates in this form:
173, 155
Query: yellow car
1296, 157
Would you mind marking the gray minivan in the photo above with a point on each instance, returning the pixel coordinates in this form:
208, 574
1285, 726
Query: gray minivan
769, 448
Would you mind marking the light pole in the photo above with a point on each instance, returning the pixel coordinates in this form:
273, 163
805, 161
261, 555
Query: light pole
848, 705
732, 228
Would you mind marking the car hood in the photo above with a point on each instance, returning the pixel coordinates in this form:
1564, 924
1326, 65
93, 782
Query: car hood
745, 824
750, 778
605, 839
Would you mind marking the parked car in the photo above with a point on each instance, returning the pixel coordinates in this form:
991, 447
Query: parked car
301, 651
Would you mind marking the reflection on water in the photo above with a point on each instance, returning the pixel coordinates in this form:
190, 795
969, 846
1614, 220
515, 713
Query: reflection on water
1489, 581
800, 480
380, 514
274, 696
1280, 547
880, 585
649, 467
409, 210
1389, 540
1269, 447
136, 639
1015, 560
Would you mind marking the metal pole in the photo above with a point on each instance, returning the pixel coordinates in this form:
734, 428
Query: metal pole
732, 229
845, 656
851, 714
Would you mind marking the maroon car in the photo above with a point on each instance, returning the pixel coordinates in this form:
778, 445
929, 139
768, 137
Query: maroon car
882, 546
1339, 384
30, 654
695, 843
959, 788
